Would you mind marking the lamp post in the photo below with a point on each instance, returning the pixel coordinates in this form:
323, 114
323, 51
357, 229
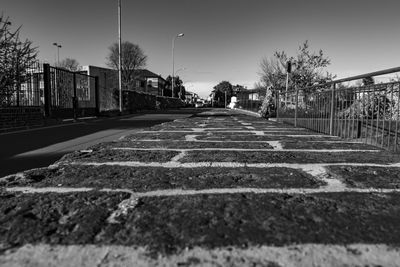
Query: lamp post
173, 47
180, 86
119, 57
58, 53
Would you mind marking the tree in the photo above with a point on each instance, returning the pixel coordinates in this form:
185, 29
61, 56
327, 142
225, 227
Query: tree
368, 81
16, 58
177, 88
219, 92
308, 69
70, 64
133, 58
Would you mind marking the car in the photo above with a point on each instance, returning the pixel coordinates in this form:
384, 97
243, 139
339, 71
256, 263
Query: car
198, 105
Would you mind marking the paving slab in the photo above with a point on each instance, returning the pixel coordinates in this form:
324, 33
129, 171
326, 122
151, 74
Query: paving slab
103, 155
380, 157
51, 218
141, 179
367, 176
243, 220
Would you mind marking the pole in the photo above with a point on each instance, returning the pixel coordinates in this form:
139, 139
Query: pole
331, 118
173, 66
287, 85
225, 99
119, 57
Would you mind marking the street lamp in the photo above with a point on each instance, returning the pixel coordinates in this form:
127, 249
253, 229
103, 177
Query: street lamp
119, 57
173, 47
58, 53
180, 86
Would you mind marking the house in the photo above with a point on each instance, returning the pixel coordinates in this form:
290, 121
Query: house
149, 82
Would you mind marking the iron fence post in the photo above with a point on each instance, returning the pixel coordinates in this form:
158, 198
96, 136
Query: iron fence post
332, 109
46, 89
277, 95
96, 93
295, 109
74, 99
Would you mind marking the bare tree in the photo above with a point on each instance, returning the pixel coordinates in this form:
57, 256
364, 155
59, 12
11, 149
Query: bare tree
308, 67
133, 58
272, 73
70, 64
16, 58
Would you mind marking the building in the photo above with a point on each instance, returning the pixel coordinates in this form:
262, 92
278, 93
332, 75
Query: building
145, 81
149, 82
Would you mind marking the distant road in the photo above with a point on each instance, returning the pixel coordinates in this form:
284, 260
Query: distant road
41, 147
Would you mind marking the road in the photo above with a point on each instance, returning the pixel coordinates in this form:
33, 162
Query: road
218, 189
40, 147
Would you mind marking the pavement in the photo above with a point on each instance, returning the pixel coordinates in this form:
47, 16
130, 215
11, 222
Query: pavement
217, 189
40, 147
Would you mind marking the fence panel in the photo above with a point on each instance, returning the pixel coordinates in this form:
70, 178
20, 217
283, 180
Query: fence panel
20, 86
73, 94
368, 114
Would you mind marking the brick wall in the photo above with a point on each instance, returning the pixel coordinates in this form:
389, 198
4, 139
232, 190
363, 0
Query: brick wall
20, 117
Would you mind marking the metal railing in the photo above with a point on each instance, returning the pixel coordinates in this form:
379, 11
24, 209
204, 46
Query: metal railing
369, 114
21, 85
251, 105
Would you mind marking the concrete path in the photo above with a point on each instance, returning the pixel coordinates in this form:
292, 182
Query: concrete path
218, 189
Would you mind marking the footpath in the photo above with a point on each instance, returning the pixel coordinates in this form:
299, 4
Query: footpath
217, 189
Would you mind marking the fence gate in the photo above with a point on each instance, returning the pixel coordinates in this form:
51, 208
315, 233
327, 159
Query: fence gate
69, 94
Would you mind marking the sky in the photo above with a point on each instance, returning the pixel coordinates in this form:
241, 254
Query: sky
224, 39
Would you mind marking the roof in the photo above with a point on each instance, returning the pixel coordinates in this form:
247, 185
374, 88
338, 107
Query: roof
148, 74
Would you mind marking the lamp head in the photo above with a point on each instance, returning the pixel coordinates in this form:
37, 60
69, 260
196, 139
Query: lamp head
180, 35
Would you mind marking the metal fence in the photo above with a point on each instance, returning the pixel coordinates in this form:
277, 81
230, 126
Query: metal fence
369, 114
71, 93
21, 86
251, 105
61, 93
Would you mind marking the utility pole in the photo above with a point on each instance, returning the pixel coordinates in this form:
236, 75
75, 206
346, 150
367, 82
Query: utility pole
225, 99
119, 57
288, 70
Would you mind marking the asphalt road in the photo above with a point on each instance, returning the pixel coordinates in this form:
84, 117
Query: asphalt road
40, 147
216, 189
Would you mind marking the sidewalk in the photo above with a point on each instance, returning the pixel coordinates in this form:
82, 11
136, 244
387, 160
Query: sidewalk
221, 188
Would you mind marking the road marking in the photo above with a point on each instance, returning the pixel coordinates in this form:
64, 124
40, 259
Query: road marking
248, 149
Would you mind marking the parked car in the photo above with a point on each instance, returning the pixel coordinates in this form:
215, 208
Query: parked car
198, 104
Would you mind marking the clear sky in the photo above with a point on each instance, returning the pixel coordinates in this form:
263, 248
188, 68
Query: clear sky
224, 39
